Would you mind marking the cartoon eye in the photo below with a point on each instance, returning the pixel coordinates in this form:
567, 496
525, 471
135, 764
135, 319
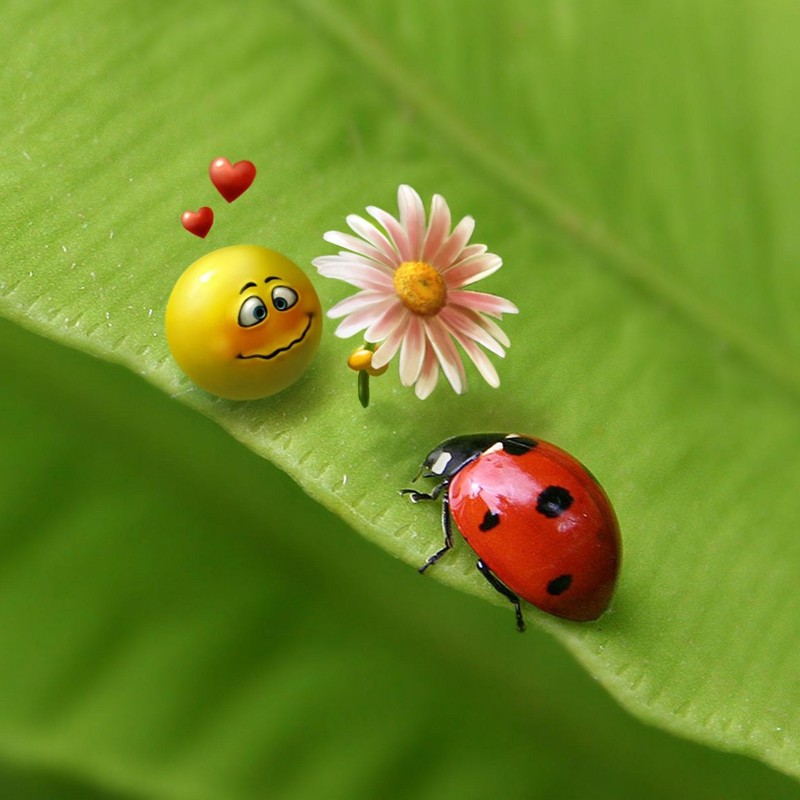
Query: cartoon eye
252, 312
283, 298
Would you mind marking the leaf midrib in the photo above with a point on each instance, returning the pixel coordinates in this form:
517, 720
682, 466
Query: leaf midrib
528, 187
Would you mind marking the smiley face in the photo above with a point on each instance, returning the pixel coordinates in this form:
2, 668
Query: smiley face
243, 322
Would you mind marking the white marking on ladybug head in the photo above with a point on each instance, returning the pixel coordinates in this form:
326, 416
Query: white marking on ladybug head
440, 465
493, 449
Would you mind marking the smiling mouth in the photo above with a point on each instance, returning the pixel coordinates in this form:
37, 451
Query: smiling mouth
280, 350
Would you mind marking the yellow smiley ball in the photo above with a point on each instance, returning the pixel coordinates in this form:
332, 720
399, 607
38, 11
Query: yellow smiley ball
243, 322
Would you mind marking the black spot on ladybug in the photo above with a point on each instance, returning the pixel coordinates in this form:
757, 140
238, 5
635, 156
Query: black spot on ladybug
490, 521
559, 585
553, 501
517, 446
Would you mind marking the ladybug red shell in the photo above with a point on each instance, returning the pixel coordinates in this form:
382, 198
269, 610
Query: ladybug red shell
542, 527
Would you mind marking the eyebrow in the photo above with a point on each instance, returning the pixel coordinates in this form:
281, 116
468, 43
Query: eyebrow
246, 286
271, 278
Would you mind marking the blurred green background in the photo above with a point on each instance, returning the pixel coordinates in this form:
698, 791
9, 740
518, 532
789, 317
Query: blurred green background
181, 618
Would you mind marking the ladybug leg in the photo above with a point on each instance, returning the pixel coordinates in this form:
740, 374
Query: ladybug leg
446, 528
417, 497
498, 586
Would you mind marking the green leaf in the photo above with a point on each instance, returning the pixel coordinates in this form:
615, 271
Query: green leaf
637, 170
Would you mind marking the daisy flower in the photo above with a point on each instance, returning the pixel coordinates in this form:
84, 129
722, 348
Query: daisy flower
411, 277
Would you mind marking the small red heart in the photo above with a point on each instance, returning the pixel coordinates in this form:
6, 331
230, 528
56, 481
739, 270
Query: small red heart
198, 222
231, 180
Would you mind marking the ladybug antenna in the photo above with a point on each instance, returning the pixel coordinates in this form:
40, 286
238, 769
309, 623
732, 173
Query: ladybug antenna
419, 473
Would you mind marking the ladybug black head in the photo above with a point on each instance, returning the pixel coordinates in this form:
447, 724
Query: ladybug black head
445, 460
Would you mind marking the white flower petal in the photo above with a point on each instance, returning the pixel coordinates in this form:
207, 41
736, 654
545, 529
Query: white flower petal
480, 359
412, 351
438, 227
355, 302
429, 375
363, 318
326, 261
471, 270
470, 251
450, 251
384, 354
447, 354
396, 315
491, 327
412, 218
355, 258
462, 323
359, 275
395, 230
351, 259
350, 242
479, 301
345, 259
366, 230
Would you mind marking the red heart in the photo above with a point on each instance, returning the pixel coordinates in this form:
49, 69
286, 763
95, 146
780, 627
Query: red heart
198, 222
231, 180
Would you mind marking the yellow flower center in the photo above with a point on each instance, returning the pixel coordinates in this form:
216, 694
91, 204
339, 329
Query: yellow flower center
420, 287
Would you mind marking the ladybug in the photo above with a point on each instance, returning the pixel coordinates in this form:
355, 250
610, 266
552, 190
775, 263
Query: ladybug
542, 527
